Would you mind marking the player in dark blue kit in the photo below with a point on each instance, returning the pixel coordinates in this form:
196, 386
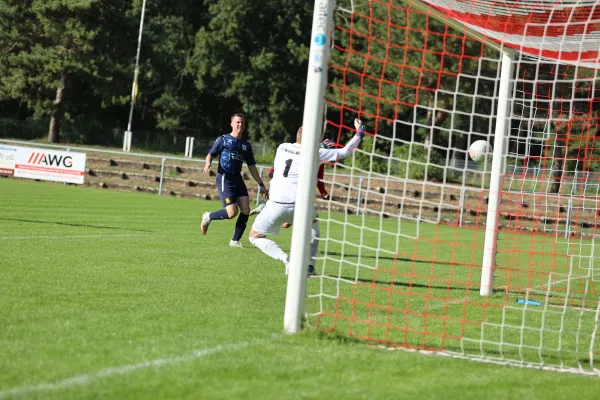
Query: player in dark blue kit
232, 151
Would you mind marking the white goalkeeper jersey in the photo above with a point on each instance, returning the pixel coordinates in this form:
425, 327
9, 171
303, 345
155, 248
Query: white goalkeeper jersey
288, 164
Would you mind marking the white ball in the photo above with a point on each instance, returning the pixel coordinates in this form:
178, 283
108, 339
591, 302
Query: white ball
480, 150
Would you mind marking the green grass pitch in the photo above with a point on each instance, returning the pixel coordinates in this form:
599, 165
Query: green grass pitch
116, 295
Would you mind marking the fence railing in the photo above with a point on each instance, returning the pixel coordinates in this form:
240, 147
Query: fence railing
359, 185
163, 158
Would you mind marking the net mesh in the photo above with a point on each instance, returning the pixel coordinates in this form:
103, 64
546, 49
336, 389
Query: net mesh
402, 243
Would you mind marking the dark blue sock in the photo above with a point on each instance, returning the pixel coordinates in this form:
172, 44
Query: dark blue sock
240, 226
221, 214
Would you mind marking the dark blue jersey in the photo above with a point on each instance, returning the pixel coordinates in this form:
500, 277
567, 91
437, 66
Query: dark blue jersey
232, 154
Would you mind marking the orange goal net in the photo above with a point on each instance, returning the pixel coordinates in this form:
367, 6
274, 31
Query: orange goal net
412, 216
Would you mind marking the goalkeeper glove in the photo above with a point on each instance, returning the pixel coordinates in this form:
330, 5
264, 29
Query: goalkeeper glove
360, 128
327, 144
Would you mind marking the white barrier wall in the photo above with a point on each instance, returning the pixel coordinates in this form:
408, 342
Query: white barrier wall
7, 160
43, 164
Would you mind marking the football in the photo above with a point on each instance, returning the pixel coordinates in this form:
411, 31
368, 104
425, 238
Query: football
480, 150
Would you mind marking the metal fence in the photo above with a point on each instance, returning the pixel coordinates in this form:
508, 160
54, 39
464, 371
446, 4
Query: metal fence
163, 158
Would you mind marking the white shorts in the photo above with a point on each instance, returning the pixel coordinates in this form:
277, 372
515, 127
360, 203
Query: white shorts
269, 221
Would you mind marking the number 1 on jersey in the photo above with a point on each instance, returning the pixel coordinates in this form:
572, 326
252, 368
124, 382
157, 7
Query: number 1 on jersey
288, 165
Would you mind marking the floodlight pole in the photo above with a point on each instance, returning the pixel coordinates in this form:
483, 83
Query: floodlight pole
127, 137
312, 125
491, 225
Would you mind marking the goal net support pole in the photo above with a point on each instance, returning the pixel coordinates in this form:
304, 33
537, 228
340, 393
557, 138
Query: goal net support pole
312, 124
494, 198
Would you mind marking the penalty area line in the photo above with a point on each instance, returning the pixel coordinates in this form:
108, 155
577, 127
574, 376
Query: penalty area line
67, 236
84, 379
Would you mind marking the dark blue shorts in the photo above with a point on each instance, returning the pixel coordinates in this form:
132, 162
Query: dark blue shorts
231, 188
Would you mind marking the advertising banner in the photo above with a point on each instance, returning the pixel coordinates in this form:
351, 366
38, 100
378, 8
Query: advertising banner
49, 165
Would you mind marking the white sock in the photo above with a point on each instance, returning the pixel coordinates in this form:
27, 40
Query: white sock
314, 243
270, 248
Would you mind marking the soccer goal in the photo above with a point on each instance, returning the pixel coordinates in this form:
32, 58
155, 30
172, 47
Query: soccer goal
422, 248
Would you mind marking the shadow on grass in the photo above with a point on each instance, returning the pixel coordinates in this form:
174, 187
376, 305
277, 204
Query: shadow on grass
403, 259
31, 221
404, 284
338, 337
498, 293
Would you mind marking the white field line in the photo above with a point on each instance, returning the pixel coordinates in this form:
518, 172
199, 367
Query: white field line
84, 379
510, 363
67, 236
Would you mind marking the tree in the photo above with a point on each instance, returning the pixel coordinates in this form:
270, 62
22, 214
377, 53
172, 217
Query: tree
252, 56
167, 98
44, 44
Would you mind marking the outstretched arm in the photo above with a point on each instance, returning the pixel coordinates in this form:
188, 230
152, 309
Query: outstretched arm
333, 155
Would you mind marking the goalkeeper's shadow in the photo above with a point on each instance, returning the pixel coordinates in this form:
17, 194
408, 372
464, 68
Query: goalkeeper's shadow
401, 283
389, 258
412, 281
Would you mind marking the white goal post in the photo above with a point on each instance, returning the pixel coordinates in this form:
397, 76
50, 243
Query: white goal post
312, 125
491, 225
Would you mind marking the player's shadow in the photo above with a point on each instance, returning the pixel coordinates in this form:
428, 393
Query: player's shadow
407, 284
403, 284
33, 221
404, 259
424, 286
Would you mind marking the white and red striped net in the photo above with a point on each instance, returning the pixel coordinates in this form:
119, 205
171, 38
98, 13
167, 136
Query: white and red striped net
563, 30
405, 272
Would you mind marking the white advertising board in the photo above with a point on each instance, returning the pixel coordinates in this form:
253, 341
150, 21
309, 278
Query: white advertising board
7, 159
49, 165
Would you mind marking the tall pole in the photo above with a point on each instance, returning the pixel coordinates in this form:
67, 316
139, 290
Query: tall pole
127, 138
312, 125
500, 135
